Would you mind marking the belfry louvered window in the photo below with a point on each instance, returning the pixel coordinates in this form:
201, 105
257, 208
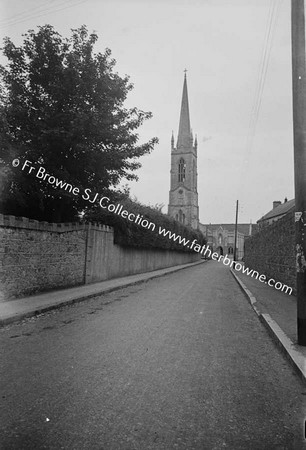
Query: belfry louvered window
181, 171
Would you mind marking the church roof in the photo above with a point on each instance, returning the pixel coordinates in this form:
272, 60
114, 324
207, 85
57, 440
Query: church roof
243, 228
184, 133
279, 210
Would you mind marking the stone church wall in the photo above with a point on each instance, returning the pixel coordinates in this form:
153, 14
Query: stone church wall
272, 251
39, 256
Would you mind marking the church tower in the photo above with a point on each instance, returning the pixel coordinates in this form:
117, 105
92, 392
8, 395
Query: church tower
183, 195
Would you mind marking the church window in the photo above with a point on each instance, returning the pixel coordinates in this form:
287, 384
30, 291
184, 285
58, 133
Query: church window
181, 216
182, 171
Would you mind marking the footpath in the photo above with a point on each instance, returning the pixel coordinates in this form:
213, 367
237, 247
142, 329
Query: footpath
15, 310
278, 312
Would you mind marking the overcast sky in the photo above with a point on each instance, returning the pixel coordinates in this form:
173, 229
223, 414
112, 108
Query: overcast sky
221, 43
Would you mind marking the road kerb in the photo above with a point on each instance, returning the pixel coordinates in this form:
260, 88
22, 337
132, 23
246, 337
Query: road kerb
295, 357
248, 293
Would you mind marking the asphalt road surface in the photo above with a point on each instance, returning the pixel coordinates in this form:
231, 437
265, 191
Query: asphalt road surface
178, 362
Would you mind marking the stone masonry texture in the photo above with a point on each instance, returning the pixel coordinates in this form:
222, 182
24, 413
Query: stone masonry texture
272, 251
34, 260
41, 256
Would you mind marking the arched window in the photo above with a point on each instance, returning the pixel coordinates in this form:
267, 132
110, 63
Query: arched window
181, 171
181, 216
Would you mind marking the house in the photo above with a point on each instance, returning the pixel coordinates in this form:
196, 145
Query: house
279, 210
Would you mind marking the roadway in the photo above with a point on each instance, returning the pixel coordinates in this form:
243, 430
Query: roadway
177, 362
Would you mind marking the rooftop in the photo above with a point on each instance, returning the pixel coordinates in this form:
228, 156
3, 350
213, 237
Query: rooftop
243, 228
280, 210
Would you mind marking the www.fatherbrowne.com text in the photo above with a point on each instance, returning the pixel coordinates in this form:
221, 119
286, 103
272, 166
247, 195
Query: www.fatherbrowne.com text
40, 172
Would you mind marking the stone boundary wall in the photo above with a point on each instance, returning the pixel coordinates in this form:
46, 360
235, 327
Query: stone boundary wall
272, 251
40, 256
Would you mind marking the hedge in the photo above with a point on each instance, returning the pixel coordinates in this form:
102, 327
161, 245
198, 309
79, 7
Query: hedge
128, 233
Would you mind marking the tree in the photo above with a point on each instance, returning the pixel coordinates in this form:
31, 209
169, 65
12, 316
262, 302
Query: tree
62, 107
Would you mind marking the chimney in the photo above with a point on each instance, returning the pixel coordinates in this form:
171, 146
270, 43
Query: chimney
276, 204
285, 201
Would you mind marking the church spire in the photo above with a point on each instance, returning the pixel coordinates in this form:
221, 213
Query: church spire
183, 194
184, 134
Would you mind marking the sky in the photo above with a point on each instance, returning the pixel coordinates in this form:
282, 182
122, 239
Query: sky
239, 88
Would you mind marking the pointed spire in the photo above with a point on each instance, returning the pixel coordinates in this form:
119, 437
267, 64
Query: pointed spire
172, 140
184, 133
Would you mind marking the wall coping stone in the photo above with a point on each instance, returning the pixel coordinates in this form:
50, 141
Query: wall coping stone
9, 221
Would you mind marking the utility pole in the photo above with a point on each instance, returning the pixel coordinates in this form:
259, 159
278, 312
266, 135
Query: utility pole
235, 244
299, 135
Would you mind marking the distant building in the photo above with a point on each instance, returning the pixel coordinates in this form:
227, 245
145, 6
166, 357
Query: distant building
221, 237
279, 210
